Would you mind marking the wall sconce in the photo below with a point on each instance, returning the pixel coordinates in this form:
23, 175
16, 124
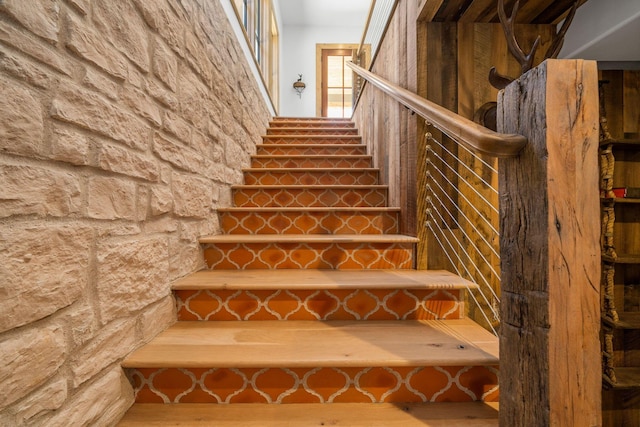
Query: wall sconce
299, 86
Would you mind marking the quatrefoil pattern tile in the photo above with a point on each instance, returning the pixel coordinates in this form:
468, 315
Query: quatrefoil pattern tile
310, 197
311, 177
308, 222
306, 162
344, 256
312, 150
293, 130
316, 385
334, 304
312, 140
311, 124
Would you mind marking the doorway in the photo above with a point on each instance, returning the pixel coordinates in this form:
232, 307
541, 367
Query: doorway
334, 80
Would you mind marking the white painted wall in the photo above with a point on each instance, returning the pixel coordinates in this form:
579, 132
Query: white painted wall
605, 30
298, 56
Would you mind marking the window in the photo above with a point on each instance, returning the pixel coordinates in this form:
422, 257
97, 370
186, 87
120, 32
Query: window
261, 31
338, 80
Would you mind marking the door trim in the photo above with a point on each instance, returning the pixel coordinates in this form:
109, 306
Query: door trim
319, 48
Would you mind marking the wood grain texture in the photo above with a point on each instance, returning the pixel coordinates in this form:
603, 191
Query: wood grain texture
474, 414
321, 279
388, 129
550, 350
303, 344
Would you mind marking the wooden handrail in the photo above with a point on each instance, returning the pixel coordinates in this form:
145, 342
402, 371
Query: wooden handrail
466, 132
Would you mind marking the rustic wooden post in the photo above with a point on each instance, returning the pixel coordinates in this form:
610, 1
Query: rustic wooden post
550, 370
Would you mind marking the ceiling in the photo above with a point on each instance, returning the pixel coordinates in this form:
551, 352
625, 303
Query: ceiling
324, 13
612, 44
529, 12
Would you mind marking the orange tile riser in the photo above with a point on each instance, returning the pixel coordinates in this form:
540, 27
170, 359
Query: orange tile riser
225, 256
315, 385
319, 305
297, 222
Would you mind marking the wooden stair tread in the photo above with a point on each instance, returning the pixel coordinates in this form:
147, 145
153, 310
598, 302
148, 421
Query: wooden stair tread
336, 146
364, 209
451, 414
311, 170
311, 186
311, 156
310, 129
316, 344
309, 119
310, 137
308, 238
321, 279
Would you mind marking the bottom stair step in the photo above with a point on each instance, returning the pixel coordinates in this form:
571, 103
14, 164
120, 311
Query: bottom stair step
473, 414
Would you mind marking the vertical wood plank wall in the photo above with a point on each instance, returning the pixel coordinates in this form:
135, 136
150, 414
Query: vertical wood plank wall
388, 129
454, 60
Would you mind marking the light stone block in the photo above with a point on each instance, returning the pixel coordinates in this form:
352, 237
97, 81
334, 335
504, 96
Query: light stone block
192, 196
40, 17
97, 399
78, 106
91, 46
128, 162
21, 126
70, 146
113, 342
122, 26
43, 269
49, 397
24, 69
161, 200
28, 360
131, 275
178, 154
158, 318
165, 64
111, 198
28, 190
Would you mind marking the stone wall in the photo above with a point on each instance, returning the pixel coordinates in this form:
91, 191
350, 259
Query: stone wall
122, 126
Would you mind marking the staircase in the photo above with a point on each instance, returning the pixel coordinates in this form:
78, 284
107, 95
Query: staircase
310, 307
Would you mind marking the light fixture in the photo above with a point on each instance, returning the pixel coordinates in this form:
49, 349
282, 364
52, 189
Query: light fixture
299, 86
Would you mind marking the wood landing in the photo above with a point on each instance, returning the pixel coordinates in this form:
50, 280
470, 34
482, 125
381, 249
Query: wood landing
474, 414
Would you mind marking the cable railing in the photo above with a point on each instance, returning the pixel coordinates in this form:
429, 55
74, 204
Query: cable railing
380, 14
376, 26
459, 194
461, 216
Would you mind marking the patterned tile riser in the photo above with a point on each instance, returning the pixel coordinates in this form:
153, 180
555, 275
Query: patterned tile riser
315, 385
310, 162
325, 305
293, 130
303, 139
294, 150
310, 124
308, 222
310, 197
332, 256
310, 177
